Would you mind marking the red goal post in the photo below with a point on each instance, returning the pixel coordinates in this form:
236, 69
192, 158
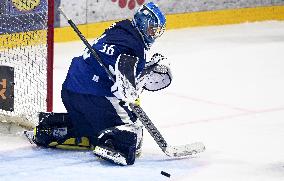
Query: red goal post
26, 47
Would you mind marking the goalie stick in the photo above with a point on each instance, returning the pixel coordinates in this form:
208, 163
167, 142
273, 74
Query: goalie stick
171, 151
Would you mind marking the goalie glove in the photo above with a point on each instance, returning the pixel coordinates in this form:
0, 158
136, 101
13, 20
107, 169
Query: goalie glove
155, 76
159, 78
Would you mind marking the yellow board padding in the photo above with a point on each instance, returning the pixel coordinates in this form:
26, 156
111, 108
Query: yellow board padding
88, 30
222, 17
194, 19
30, 38
174, 21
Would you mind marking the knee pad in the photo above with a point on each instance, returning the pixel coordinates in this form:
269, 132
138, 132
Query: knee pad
119, 144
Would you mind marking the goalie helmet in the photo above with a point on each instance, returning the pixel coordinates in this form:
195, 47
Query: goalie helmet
150, 22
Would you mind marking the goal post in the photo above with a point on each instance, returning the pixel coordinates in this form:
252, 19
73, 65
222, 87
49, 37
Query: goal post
50, 54
26, 47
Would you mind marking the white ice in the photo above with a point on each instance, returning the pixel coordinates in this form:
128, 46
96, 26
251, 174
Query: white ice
227, 92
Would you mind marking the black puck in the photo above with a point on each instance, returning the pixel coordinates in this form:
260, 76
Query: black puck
165, 174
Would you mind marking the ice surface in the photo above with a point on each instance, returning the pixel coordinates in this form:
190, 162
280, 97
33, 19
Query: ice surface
227, 92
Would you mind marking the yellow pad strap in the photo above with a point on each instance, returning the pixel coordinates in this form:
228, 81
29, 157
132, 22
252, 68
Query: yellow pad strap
137, 102
70, 144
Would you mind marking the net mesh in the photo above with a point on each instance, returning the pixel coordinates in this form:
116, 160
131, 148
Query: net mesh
23, 45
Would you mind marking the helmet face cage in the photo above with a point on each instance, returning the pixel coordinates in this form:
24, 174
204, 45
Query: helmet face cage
150, 21
154, 29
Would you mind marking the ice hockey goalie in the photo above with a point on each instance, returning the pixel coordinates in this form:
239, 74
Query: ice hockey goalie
99, 117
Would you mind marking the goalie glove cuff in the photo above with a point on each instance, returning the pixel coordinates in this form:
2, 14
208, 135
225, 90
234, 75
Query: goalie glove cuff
155, 59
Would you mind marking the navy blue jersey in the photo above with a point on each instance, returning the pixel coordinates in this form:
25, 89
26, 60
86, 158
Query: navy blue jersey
85, 74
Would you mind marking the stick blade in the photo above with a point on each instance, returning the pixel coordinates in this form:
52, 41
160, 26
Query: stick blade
185, 150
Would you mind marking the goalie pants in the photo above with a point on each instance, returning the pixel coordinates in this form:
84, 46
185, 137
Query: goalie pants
91, 114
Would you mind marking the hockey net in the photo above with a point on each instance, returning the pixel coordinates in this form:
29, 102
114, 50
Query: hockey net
26, 45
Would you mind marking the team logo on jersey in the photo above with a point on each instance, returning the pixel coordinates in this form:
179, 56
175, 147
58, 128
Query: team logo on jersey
3, 89
26, 5
131, 3
96, 78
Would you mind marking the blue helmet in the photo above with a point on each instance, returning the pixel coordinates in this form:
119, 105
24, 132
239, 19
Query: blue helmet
150, 22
